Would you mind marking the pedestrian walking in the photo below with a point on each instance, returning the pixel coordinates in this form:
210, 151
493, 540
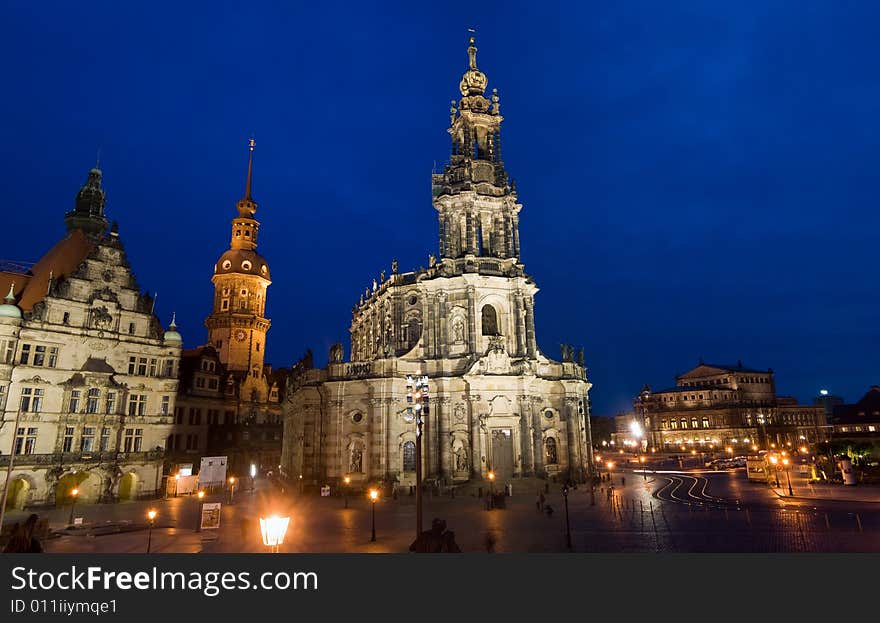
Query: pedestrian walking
538, 501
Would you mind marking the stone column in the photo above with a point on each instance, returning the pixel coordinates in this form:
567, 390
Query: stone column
519, 323
531, 343
443, 444
528, 451
443, 324
476, 446
516, 236
428, 326
472, 319
538, 443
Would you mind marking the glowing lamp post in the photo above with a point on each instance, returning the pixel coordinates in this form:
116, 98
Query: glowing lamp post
416, 411
151, 516
374, 495
201, 496
73, 494
273, 530
774, 460
644, 469
786, 463
347, 481
253, 475
231, 488
491, 489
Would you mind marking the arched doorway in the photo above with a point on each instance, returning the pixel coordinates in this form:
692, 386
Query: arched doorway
128, 487
18, 494
67, 483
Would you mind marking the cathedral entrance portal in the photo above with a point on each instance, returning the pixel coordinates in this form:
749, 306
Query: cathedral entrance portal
502, 453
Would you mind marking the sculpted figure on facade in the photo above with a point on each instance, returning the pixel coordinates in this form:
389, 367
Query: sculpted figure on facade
337, 352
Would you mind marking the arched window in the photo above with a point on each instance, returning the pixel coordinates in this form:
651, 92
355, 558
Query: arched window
409, 456
490, 321
550, 457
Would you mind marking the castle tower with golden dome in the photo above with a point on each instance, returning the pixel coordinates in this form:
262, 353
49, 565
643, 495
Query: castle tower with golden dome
238, 325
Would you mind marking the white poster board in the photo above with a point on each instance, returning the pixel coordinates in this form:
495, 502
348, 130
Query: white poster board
212, 472
325, 491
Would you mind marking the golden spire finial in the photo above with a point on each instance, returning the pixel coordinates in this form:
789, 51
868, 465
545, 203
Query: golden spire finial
247, 189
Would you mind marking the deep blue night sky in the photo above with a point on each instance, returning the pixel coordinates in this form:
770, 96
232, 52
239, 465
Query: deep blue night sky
698, 180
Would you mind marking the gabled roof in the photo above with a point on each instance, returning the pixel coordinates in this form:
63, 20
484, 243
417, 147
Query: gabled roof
93, 364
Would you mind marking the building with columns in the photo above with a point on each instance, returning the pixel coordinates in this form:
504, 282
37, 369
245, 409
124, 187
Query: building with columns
229, 399
718, 406
467, 321
88, 378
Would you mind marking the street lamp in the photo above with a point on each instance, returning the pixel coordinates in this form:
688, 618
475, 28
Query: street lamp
201, 496
416, 410
347, 480
73, 493
374, 495
491, 489
774, 460
253, 475
231, 488
567, 524
644, 469
273, 530
786, 462
151, 515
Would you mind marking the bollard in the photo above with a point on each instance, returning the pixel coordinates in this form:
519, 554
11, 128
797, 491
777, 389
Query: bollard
651, 506
827, 522
641, 507
859, 522
748, 517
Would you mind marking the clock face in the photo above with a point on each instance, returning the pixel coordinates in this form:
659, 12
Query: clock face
240, 335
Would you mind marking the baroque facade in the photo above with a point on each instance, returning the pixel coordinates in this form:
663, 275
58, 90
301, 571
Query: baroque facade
467, 321
229, 398
88, 377
715, 407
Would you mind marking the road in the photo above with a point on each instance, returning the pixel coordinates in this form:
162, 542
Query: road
687, 511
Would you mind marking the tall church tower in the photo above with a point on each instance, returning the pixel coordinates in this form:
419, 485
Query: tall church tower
476, 204
237, 326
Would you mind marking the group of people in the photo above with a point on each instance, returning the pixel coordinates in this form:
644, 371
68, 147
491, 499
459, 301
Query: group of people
436, 540
542, 506
23, 539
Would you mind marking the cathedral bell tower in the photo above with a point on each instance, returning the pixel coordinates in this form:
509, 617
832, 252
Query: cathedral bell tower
237, 326
475, 200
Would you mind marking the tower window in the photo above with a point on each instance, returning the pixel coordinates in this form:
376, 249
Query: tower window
243, 290
258, 347
409, 456
237, 233
490, 321
247, 233
224, 304
66, 318
131, 328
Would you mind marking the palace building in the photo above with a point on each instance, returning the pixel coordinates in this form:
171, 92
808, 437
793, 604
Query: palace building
88, 378
229, 400
467, 321
718, 406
